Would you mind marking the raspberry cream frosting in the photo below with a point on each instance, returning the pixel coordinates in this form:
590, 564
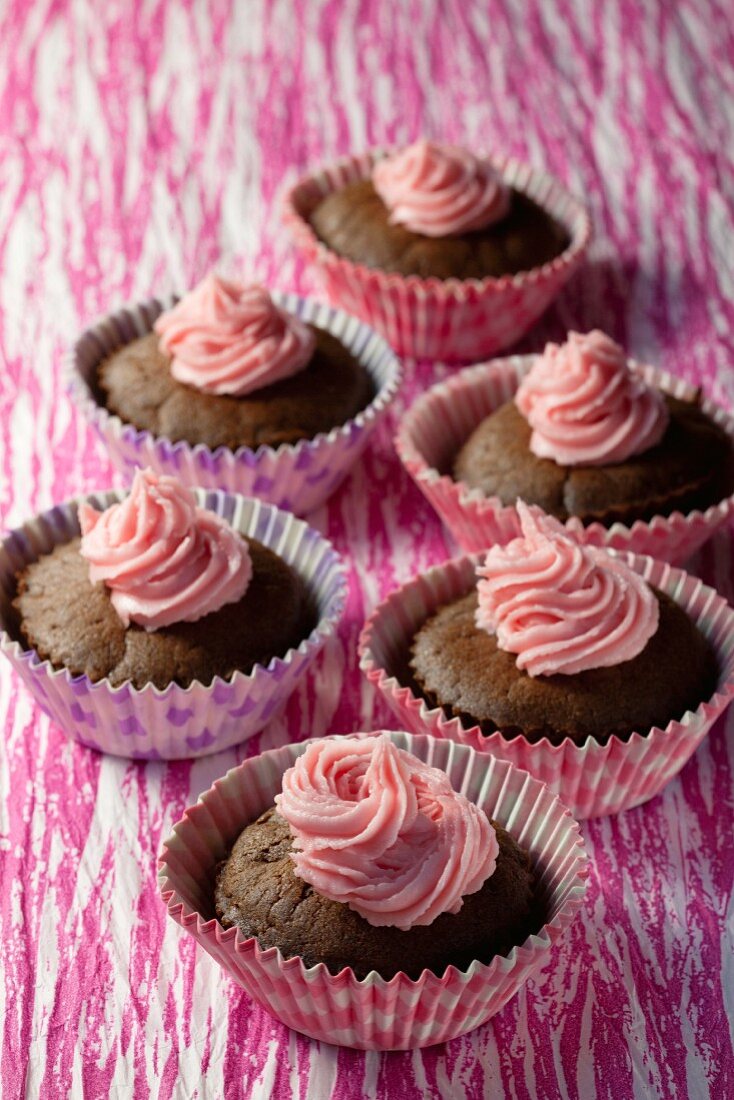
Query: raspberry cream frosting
586, 407
227, 338
439, 190
562, 607
164, 559
384, 833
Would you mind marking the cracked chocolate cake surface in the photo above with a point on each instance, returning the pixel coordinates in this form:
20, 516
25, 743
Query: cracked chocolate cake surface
72, 623
691, 467
135, 383
355, 223
459, 667
258, 891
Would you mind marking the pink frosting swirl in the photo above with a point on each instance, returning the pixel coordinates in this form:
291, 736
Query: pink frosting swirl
164, 559
438, 190
559, 606
586, 407
385, 834
228, 338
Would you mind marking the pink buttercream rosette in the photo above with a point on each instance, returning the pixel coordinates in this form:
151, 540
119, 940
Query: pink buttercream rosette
384, 833
441, 420
454, 320
375, 1014
176, 722
296, 476
591, 779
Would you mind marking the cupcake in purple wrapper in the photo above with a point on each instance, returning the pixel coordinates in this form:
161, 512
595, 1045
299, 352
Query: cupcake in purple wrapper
235, 388
365, 901
177, 628
447, 254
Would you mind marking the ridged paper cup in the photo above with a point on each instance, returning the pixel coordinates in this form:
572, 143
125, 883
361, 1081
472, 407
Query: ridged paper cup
591, 779
375, 1014
295, 476
176, 722
432, 432
454, 320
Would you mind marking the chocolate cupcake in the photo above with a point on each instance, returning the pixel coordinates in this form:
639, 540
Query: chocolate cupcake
561, 641
447, 255
370, 860
436, 211
160, 591
586, 437
227, 367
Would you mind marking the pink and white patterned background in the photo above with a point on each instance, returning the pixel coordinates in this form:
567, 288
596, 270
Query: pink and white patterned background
140, 142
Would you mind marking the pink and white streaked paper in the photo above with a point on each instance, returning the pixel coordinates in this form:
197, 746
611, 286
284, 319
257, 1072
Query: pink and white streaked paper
139, 143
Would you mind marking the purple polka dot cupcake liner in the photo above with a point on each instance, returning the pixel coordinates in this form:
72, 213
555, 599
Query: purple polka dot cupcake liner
372, 1013
295, 476
176, 722
442, 419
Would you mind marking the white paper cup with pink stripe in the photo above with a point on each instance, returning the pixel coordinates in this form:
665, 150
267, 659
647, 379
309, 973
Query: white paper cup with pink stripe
176, 722
296, 476
454, 320
591, 779
372, 1013
433, 430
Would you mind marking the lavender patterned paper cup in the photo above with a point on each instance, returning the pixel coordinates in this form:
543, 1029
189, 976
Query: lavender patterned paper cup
295, 476
454, 320
372, 1013
442, 419
176, 722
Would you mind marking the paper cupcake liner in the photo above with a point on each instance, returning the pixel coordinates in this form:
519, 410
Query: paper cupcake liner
447, 319
176, 722
374, 1014
295, 476
442, 419
591, 779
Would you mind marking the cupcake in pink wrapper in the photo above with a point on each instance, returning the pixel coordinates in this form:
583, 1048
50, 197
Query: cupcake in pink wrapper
448, 255
411, 886
626, 456
165, 623
232, 387
598, 672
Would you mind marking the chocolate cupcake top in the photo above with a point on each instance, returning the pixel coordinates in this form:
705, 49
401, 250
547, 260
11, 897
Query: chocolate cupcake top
561, 640
160, 591
586, 436
371, 861
227, 367
437, 211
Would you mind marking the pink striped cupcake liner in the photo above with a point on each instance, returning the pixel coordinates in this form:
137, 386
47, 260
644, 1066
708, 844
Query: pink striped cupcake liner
295, 476
591, 779
441, 420
176, 722
372, 1013
454, 320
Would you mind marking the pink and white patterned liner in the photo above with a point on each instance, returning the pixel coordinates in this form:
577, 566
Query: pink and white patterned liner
176, 722
591, 779
454, 320
295, 476
375, 1014
441, 420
